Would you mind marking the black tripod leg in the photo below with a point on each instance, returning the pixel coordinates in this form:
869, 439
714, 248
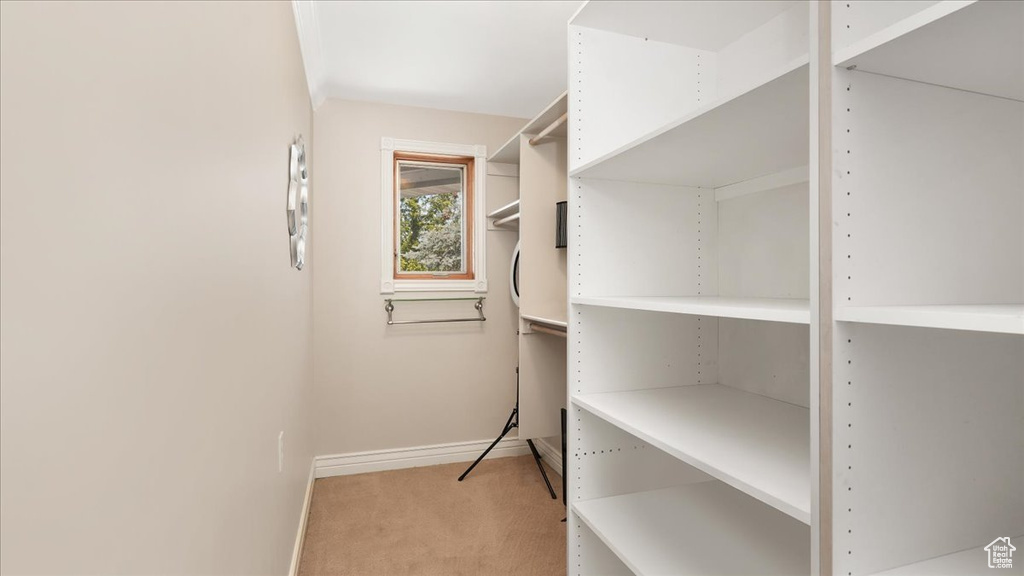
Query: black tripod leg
565, 461
536, 457
508, 426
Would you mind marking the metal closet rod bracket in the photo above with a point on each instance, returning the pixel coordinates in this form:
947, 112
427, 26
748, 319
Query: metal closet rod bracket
389, 307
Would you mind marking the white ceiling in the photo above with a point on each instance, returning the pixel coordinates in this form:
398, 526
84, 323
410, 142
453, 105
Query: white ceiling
506, 58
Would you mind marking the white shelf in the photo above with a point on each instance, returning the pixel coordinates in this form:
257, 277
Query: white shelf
974, 46
970, 562
753, 443
703, 529
508, 153
762, 130
703, 25
508, 221
548, 321
1003, 318
506, 210
793, 311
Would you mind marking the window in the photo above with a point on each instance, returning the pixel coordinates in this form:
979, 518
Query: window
433, 217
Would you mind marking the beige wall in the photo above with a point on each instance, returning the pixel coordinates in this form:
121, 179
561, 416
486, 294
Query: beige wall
154, 340
392, 387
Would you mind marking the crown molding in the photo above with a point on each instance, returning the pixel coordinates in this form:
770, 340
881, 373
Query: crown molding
308, 27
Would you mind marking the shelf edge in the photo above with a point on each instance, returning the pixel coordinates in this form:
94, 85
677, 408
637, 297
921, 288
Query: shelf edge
719, 311
942, 320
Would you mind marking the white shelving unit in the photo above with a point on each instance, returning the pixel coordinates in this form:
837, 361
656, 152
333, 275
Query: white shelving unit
796, 286
690, 289
537, 156
928, 275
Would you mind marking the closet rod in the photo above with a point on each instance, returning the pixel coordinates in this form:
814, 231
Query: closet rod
543, 133
546, 330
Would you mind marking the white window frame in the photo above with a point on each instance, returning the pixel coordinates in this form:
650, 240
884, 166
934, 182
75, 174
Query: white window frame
388, 283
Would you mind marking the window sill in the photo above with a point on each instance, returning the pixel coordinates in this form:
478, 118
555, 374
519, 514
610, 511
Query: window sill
478, 286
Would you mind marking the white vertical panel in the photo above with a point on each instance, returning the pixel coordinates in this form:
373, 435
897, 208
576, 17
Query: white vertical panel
929, 194
767, 358
820, 285
541, 385
542, 267
623, 87
642, 239
542, 273
632, 350
763, 244
929, 443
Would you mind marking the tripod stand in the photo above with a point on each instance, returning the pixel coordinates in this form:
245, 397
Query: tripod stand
513, 422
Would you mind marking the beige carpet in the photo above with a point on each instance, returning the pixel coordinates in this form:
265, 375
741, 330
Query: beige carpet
422, 522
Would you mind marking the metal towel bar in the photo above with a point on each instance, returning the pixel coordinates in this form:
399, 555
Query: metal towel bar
389, 307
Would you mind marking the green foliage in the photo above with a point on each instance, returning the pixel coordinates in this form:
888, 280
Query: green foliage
431, 233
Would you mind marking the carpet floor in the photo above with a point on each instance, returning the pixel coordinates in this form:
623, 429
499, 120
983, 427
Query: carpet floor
422, 522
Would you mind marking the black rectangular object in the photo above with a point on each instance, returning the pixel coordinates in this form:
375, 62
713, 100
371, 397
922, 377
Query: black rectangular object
561, 224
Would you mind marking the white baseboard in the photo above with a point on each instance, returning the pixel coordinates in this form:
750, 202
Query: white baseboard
379, 460
550, 454
301, 536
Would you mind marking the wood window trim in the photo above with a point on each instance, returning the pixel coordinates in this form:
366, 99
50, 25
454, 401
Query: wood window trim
467, 213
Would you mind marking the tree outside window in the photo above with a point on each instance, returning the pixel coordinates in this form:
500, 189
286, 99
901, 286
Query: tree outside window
434, 216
